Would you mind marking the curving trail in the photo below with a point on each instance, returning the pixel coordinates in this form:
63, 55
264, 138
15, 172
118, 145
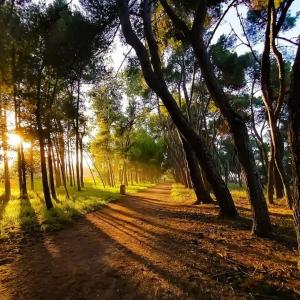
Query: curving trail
148, 247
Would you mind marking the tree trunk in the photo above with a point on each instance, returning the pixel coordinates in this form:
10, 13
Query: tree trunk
294, 130
46, 190
69, 162
77, 139
279, 187
72, 168
273, 105
202, 194
81, 162
63, 170
271, 177
261, 220
90, 169
50, 166
31, 166
7, 187
56, 169
40, 134
19, 158
111, 173
156, 82
23, 172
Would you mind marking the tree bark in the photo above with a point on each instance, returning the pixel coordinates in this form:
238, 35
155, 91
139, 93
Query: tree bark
50, 166
271, 177
23, 172
202, 194
56, 168
46, 190
40, 134
273, 107
261, 220
69, 162
81, 162
279, 187
154, 78
62, 168
7, 186
294, 132
77, 139
31, 166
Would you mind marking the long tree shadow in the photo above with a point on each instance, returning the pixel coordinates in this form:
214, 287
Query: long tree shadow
141, 259
114, 216
284, 235
136, 250
224, 273
28, 219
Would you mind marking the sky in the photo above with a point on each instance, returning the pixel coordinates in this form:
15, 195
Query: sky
230, 21
118, 51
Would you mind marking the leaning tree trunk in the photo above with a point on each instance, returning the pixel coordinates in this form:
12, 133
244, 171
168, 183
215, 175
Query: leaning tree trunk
294, 129
261, 220
156, 82
202, 194
273, 104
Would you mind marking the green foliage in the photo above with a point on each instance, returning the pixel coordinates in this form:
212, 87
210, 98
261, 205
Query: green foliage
145, 149
69, 40
135, 83
179, 193
31, 215
231, 65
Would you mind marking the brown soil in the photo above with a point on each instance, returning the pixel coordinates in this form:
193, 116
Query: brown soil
148, 247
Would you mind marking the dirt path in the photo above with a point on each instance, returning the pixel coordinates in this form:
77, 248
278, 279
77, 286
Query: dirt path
147, 247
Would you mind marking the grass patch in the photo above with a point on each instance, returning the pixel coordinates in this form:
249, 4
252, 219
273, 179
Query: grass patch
180, 193
30, 215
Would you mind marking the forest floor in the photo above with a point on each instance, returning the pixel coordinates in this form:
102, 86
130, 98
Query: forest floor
148, 246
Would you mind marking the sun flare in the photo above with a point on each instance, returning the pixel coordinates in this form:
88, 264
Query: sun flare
14, 140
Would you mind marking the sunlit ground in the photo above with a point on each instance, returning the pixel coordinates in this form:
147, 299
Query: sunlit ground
31, 215
281, 215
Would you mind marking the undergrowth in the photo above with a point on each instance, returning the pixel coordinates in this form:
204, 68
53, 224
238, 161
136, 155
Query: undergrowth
180, 193
18, 215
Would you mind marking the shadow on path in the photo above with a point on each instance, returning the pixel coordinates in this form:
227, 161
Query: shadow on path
146, 247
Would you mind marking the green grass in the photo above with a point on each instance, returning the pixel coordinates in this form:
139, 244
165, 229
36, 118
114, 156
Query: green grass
26, 216
180, 193
237, 191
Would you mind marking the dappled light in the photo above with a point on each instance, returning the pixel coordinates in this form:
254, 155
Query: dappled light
149, 149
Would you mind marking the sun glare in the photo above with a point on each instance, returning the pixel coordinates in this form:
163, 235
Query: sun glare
14, 140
